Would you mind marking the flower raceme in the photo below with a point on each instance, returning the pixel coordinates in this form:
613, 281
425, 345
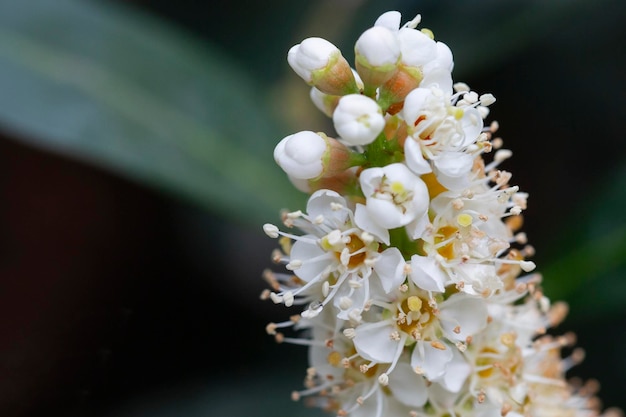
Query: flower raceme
409, 270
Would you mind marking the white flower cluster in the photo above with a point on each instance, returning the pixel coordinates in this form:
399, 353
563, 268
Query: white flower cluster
410, 275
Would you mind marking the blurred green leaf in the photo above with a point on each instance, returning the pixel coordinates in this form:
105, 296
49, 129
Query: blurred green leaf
106, 83
591, 272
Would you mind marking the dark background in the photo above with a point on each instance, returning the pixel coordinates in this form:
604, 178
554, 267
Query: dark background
120, 300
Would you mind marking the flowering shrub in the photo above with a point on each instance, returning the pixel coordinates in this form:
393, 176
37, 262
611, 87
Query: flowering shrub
412, 279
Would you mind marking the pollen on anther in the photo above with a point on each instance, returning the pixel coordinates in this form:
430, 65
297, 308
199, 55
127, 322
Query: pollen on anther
271, 328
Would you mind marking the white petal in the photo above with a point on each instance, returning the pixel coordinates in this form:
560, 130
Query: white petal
417, 227
414, 158
390, 20
467, 312
365, 222
373, 343
430, 360
427, 274
390, 268
388, 214
303, 250
407, 386
456, 373
414, 104
438, 77
472, 125
453, 169
320, 204
417, 48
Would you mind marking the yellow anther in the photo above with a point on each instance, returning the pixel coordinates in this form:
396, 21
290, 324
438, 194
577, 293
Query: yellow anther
464, 220
414, 303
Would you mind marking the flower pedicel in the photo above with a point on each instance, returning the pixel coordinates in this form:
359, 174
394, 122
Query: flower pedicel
408, 270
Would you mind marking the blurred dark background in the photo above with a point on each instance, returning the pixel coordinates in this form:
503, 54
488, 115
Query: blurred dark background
121, 298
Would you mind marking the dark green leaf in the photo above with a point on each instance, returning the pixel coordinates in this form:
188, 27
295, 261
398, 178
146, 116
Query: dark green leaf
105, 83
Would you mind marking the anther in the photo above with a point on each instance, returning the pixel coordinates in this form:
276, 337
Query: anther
487, 99
383, 379
438, 345
293, 264
271, 328
271, 230
527, 266
350, 333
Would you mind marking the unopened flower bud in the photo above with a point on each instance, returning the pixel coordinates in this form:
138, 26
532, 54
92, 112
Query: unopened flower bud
326, 103
377, 54
320, 64
358, 119
308, 155
392, 94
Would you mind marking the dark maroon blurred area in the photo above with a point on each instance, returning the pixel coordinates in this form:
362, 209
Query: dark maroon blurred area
98, 302
78, 246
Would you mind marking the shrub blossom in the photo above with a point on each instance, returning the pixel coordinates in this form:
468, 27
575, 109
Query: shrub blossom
408, 271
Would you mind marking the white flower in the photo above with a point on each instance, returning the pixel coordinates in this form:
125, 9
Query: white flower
358, 119
445, 134
395, 197
333, 261
408, 274
432, 329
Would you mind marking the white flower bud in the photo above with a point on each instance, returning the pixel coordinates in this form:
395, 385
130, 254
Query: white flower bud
320, 63
358, 119
377, 54
310, 55
378, 47
300, 155
326, 103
